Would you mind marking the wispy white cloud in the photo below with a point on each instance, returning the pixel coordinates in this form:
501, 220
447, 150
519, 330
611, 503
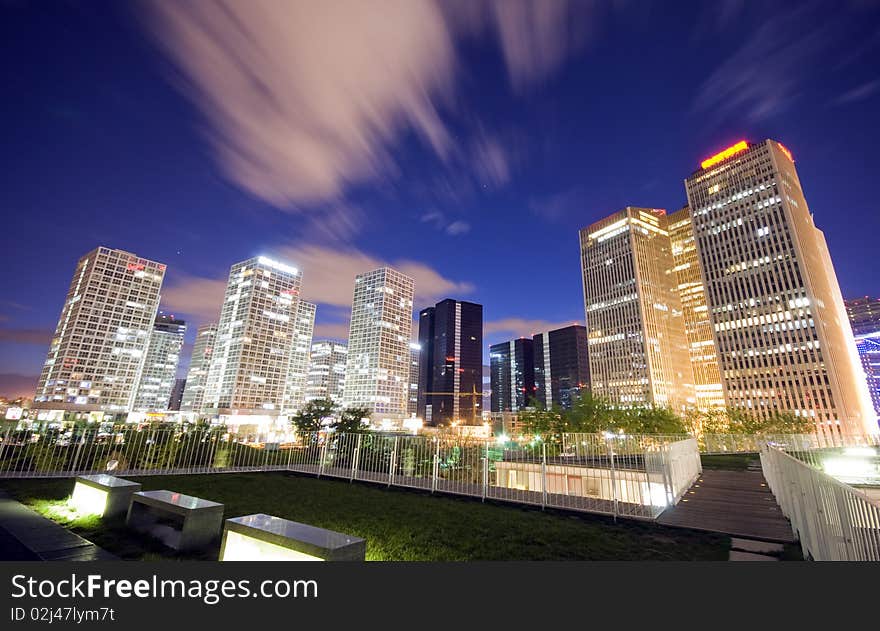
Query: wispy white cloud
518, 327
438, 220
458, 227
858, 93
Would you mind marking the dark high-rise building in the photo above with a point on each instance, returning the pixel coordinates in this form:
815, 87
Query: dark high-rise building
451, 362
562, 368
864, 314
512, 374
177, 394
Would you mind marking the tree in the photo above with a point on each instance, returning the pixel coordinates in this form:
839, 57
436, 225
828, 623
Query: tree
311, 417
651, 420
590, 414
537, 420
350, 420
741, 422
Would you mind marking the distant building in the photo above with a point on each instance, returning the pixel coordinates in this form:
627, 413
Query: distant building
326, 378
412, 403
697, 324
781, 330
864, 314
298, 373
377, 371
177, 394
638, 350
512, 375
97, 353
203, 349
562, 367
248, 375
451, 366
160, 365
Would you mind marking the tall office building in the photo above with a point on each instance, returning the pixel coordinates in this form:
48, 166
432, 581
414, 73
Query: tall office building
451, 371
512, 375
177, 394
97, 352
562, 368
638, 351
250, 362
298, 373
697, 325
160, 364
326, 379
377, 371
782, 334
197, 376
864, 315
412, 402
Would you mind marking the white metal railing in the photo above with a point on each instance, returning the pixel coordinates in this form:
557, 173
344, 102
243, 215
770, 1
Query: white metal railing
634, 476
833, 521
753, 443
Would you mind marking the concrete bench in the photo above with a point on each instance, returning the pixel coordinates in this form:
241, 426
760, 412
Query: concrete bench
262, 537
181, 522
103, 494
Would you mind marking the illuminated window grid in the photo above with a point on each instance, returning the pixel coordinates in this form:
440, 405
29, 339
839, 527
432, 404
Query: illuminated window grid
326, 378
197, 376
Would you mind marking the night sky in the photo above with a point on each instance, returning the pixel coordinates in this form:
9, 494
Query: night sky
464, 143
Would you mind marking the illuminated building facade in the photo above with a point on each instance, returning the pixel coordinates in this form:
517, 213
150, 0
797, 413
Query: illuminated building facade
562, 366
864, 315
512, 375
97, 352
298, 374
177, 394
250, 361
412, 402
377, 371
326, 379
160, 364
451, 372
638, 350
199, 364
697, 325
783, 338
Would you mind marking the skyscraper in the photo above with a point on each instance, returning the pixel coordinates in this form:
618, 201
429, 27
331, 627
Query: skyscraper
97, 352
197, 376
697, 325
562, 368
177, 394
412, 401
451, 371
377, 371
298, 374
638, 351
326, 378
250, 362
864, 314
512, 375
160, 364
783, 338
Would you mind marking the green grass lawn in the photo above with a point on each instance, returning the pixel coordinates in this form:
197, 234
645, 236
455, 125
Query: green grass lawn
399, 525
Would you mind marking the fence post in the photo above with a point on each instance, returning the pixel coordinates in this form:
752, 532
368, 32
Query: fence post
354, 461
543, 475
78, 450
485, 473
322, 456
393, 462
610, 448
436, 465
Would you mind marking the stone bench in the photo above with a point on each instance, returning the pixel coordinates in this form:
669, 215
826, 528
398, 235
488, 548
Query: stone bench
181, 522
103, 494
262, 537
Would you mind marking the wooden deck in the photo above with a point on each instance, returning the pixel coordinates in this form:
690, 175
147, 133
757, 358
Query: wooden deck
737, 503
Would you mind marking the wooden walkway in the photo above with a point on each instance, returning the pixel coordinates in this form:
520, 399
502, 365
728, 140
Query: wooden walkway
737, 503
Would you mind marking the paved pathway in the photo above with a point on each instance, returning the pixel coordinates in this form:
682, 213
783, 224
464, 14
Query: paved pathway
28, 536
737, 503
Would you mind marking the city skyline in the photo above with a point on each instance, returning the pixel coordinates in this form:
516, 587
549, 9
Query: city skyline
542, 152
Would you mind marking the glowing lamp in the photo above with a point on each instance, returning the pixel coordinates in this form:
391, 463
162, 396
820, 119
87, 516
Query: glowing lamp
785, 150
732, 150
103, 495
262, 537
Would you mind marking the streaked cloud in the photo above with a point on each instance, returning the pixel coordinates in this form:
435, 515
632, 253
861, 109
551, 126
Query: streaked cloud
439, 221
858, 93
331, 330
305, 100
194, 296
519, 327
14, 385
458, 227
40, 337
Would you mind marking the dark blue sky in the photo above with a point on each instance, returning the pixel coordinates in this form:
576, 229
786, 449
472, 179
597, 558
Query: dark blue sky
465, 143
